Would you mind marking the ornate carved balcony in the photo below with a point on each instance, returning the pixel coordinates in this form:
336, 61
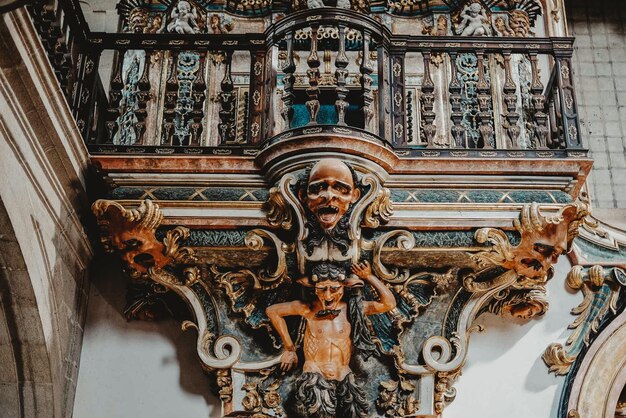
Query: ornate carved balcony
325, 72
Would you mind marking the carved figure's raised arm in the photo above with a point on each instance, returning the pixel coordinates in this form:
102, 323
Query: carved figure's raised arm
387, 301
276, 314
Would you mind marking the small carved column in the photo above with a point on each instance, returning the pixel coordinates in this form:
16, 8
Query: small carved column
341, 62
198, 95
169, 105
226, 126
398, 98
539, 104
257, 95
288, 81
313, 91
115, 95
366, 81
84, 98
510, 102
458, 130
569, 110
484, 102
143, 95
427, 99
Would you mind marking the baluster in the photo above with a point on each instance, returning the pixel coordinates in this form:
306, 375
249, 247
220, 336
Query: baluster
341, 62
554, 120
139, 128
169, 105
458, 130
484, 102
226, 126
539, 104
510, 101
85, 94
168, 137
558, 133
257, 94
399, 113
199, 96
569, 112
313, 91
427, 99
115, 95
288, 81
366, 81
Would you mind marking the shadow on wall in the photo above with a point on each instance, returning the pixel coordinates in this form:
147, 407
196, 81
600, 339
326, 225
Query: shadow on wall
136, 368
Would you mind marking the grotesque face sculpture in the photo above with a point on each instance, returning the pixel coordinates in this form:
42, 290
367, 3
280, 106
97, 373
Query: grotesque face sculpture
519, 22
330, 192
536, 262
131, 232
544, 239
329, 293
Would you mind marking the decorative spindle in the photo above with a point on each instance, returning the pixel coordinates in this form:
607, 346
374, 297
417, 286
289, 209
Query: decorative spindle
510, 102
140, 128
288, 81
555, 137
399, 113
313, 91
569, 112
341, 62
169, 104
226, 126
539, 104
458, 130
366, 81
255, 106
484, 102
427, 99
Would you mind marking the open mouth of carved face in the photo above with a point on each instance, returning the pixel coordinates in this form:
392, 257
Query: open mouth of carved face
328, 215
330, 304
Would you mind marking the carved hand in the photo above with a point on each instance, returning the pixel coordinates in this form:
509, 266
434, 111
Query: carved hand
288, 360
363, 270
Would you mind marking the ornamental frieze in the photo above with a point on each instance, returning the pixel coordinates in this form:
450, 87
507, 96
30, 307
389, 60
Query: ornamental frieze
328, 308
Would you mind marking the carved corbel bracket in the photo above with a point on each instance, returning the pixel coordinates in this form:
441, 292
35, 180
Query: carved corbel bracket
601, 288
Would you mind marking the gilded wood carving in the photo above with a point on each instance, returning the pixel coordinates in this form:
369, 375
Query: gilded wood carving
341, 317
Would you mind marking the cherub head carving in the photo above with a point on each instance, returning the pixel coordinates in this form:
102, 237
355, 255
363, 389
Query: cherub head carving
331, 189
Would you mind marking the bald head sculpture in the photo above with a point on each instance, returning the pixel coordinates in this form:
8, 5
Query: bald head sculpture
330, 191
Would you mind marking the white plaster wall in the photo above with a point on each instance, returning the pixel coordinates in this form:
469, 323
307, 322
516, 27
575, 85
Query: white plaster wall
504, 375
136, 369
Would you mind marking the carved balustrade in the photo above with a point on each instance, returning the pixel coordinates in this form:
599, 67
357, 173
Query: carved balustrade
322, 71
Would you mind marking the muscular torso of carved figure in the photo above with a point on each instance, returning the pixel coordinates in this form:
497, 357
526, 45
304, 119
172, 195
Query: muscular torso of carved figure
327, 345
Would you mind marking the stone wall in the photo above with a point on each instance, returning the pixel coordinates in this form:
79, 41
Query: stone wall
600, 75
45, 250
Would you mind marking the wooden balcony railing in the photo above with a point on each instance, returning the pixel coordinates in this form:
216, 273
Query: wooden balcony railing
317, 71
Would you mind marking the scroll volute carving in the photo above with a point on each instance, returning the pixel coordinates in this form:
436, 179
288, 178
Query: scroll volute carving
132, 233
